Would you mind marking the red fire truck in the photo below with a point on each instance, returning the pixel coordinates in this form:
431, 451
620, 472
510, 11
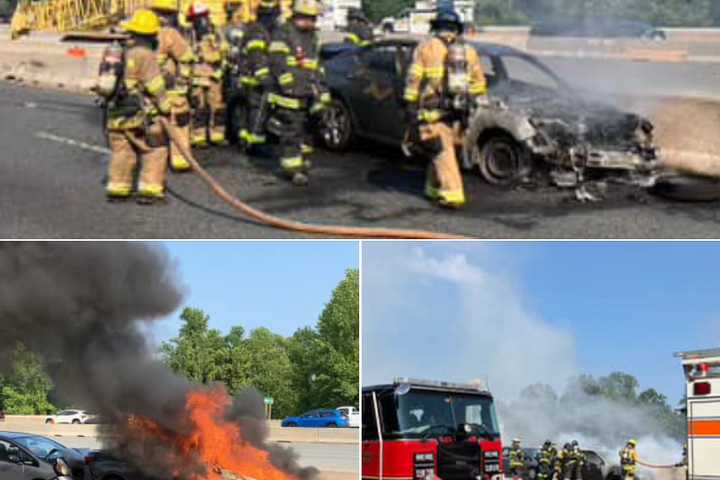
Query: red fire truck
417, 429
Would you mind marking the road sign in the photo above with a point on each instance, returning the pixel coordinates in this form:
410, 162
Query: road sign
269, 401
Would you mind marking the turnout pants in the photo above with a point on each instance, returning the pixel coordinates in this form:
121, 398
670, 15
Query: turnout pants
208, 123
180, 119
252, 132
292, 138
130, 147
443, 180
629, 472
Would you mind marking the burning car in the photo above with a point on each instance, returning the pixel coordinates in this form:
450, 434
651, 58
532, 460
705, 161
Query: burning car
537, 126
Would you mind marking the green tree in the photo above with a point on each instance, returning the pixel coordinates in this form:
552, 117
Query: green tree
24, 391
327, 359
271, 371
198, 352
376, 10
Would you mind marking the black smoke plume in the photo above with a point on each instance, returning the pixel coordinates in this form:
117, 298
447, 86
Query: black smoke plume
81, 307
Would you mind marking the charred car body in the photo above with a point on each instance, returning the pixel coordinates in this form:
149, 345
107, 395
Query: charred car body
421, 429
536, 126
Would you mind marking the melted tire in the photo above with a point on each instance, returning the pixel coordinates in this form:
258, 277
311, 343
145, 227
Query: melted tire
687, 188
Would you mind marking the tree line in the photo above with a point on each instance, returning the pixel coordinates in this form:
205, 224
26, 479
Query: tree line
688, 13
316, 367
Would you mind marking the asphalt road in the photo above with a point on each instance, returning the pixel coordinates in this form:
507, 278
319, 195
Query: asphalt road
50, 188
326, 457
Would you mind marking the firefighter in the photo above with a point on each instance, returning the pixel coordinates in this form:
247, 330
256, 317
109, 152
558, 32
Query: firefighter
546, 460
566, 462
579, 458
359, 30
628, 460
175, 58
254, 71
299, 89
517, 459
206, 96
137, 98
445, 83
234, 11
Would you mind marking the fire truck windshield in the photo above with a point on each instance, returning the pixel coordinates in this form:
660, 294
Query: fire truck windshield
424, 413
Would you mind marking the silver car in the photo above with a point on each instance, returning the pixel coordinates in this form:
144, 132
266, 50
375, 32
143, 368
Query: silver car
31, 457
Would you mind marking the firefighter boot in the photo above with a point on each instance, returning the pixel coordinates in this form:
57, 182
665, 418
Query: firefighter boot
151, 185
122, 166
180, 119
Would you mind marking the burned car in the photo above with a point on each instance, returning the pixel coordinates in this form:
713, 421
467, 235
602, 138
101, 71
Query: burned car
536, 126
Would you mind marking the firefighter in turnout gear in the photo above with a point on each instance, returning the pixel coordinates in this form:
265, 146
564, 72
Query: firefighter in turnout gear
135, 101
517, 459
359, 30
579, 457
445, 83
628, 460
206, 95
254, 70
299, 89
546, 458
566, 462
175, 58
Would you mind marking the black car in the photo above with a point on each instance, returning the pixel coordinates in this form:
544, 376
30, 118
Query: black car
536, 124
25, 456
599, 28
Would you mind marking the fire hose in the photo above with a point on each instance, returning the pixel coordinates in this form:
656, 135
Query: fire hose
650, 465
281, 223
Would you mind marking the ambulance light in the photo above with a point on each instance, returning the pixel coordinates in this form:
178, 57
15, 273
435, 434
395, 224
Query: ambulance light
701, 389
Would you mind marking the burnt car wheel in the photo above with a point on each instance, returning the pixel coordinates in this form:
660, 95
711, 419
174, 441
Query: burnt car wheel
502, 161
336, 128
687, 188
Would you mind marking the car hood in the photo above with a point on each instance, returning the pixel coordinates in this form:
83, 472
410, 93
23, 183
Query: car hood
599, 122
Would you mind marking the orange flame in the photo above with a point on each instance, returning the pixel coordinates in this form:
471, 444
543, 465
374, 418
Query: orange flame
218, 443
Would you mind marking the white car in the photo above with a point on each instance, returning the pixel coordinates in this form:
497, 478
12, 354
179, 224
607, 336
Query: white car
353, 415
69, 416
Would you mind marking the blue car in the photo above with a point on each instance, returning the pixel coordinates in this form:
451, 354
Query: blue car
318, 419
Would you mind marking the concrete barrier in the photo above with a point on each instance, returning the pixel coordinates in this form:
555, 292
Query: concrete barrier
36, 425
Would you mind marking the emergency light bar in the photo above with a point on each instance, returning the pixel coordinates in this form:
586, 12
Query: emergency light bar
699, 354
476, 387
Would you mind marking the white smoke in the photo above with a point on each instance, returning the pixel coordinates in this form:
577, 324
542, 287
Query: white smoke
431, 312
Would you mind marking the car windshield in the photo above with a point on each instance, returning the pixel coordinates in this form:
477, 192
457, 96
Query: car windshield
522, 70
422, 413
40, 446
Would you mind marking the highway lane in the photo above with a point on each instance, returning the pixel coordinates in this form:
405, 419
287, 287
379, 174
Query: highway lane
51, 188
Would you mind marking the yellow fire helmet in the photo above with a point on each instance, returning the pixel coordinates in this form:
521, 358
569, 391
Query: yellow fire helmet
143, 22
632, 442
311, 8
165, 5
269, 4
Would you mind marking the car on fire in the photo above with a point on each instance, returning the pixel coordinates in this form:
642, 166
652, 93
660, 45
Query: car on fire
537, 130
32, 457
426, 429
320, 418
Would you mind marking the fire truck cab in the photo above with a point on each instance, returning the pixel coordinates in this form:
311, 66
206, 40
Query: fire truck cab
417, 429
702, 374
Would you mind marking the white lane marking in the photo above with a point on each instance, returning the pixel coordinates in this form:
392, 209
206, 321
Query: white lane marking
73, 142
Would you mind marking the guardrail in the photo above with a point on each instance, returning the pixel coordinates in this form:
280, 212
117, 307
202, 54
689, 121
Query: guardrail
36, 425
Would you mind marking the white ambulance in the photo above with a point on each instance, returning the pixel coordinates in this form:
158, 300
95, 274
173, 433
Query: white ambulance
702, 373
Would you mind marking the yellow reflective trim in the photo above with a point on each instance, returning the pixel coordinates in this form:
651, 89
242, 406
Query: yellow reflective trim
279, 47
201, 81
130, 63
311, 64
187, 57
254, 45
354, 38
262, 72
285, 102
151, 190
286, 79
162, 58
307, 150
453, 198
430, 116
436, 72
124, 123
412, 95
177, 92
156, 85
179, 163
292, 163
131, 83
217, 75
165, 105
118, 189
325, 98
213, 57
417, 71
477, 89
292, 61
249, 81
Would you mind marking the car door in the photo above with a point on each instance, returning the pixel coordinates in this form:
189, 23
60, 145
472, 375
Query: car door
16, 464
308, 419
377, 92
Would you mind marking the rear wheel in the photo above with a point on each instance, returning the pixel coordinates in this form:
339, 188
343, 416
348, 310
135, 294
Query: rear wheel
291, 424
502, 161
336, 127
76, 422
331, 425
49, 420
687, 188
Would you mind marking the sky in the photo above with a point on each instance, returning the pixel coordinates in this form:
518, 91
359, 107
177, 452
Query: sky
279, 285
518, 313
